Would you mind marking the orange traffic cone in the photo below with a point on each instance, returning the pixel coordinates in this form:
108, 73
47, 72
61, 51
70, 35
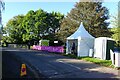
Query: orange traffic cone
23, 70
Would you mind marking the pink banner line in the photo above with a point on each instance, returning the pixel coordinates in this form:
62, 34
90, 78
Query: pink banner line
49, 48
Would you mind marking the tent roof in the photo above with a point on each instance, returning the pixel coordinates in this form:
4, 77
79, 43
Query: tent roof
81, 32
105, 38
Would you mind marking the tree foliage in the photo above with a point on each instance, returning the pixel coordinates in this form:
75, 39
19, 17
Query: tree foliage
34, 25
116, 29
2, 7
92, 14
13, 28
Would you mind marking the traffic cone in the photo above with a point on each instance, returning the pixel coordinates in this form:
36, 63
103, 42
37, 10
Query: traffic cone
23, 70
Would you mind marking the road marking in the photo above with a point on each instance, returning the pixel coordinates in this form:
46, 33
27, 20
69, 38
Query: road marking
60, 61
49, 71
55, 73
70, 65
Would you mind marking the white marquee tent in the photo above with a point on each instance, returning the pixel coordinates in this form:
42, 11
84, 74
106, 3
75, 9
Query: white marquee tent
83, 42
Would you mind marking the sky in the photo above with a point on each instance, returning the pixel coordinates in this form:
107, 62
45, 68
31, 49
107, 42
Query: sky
15, 8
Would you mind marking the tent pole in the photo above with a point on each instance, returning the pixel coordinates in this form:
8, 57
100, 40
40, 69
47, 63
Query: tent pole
67, 47
78, 54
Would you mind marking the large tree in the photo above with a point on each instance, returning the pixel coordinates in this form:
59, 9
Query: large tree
41, 24
2, 7
92, 14
53, 20
116, 29
34, 22
14, 29
33, 26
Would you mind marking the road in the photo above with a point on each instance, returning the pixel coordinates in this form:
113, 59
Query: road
11, 66
48, 65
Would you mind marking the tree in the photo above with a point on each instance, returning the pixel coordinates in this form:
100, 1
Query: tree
25, 29
40, 23
116, 29
28, 25
34, 21
2, 7
53, 21
92, 14
14, 29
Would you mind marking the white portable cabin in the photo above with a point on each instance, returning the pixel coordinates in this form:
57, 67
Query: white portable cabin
102, 47
83, 42
44, 42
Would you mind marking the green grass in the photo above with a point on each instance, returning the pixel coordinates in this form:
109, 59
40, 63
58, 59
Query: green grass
107, 63
70, 55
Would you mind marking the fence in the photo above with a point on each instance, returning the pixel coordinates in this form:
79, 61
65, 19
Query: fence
17, 45
59, 49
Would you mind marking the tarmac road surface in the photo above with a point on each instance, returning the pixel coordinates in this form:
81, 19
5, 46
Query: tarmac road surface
11, 67
57, 66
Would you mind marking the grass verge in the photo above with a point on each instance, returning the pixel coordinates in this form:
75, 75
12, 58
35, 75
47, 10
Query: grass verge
106, 63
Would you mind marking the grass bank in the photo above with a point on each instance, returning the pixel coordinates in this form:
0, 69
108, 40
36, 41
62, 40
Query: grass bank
106, 63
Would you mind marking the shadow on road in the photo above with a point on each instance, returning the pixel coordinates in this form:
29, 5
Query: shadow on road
11, 66
59, 66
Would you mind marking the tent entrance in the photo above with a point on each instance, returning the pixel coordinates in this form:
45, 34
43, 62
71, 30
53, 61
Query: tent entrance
73, 44
110, 45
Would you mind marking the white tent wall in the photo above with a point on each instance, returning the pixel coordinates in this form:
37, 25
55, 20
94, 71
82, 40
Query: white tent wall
100, 48
104, 44
97, 51
84, 45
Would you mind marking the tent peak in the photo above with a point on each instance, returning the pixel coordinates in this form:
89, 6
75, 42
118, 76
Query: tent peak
81, 23
80, 32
